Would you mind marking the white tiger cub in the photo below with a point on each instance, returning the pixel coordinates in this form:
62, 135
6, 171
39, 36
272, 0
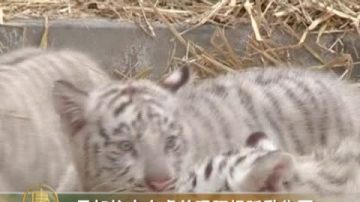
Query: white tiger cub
260, 167
33, 148
138, 135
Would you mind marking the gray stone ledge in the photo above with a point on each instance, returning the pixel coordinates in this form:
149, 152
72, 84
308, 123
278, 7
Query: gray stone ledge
123, 45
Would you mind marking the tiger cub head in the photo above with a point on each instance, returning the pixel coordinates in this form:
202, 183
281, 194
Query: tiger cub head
257, 167
126, 135
262, 168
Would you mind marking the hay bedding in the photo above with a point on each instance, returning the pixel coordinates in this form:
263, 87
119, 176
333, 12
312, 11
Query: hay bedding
299, 18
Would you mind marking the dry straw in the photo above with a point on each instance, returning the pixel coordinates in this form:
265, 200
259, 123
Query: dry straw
298, 18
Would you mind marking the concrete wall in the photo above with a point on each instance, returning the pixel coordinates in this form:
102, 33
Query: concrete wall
124, 45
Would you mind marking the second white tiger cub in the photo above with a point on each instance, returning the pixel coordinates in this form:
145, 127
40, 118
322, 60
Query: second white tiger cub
260, 168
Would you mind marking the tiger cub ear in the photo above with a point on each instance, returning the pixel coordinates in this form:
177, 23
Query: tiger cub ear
177, 79
69, 103
261, 140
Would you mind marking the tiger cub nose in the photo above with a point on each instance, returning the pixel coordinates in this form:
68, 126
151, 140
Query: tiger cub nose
157, 184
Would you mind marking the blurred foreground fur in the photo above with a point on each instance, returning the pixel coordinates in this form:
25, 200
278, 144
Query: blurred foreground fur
33, 148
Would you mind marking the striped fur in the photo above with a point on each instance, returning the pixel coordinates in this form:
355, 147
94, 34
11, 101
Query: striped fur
33, 148
298, 109
140, 135
259, 169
